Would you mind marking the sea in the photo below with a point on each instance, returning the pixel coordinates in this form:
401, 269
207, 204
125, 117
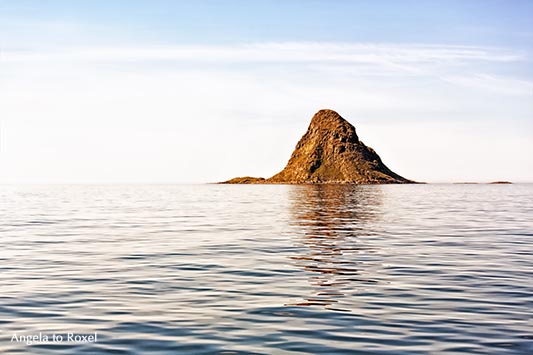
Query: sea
266, 269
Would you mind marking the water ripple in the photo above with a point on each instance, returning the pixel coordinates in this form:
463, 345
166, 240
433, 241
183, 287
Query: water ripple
414, 269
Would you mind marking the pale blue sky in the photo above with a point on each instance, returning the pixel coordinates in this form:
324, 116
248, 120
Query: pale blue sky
198, 91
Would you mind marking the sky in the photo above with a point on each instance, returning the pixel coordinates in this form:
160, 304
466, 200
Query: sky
203, 91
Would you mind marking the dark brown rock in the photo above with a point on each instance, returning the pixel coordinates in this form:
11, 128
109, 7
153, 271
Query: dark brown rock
331, 152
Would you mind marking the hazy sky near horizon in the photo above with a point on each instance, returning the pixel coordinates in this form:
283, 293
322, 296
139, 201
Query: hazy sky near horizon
201, 91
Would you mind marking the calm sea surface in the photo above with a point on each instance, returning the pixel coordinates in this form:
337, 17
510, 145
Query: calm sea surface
218, 269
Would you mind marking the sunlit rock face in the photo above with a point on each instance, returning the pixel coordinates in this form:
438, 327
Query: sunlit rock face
331, 152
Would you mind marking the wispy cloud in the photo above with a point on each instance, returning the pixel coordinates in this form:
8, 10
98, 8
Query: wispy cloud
497, 84
307, 52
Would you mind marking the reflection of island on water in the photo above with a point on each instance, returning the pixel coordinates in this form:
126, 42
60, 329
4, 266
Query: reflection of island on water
328, 221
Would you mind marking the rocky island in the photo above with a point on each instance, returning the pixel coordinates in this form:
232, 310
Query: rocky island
330, 152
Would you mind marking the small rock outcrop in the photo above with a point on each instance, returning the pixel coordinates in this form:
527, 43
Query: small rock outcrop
245, 180
331, 152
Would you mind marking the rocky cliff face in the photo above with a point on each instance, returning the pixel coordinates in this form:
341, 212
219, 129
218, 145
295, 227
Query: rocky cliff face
331, 152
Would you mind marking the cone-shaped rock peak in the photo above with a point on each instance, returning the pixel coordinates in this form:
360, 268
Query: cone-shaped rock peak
329, 120
331, 152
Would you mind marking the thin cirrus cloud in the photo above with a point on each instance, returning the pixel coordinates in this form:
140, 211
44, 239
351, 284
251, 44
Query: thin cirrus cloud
497, 84
452, 64
457, 65
278, 52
